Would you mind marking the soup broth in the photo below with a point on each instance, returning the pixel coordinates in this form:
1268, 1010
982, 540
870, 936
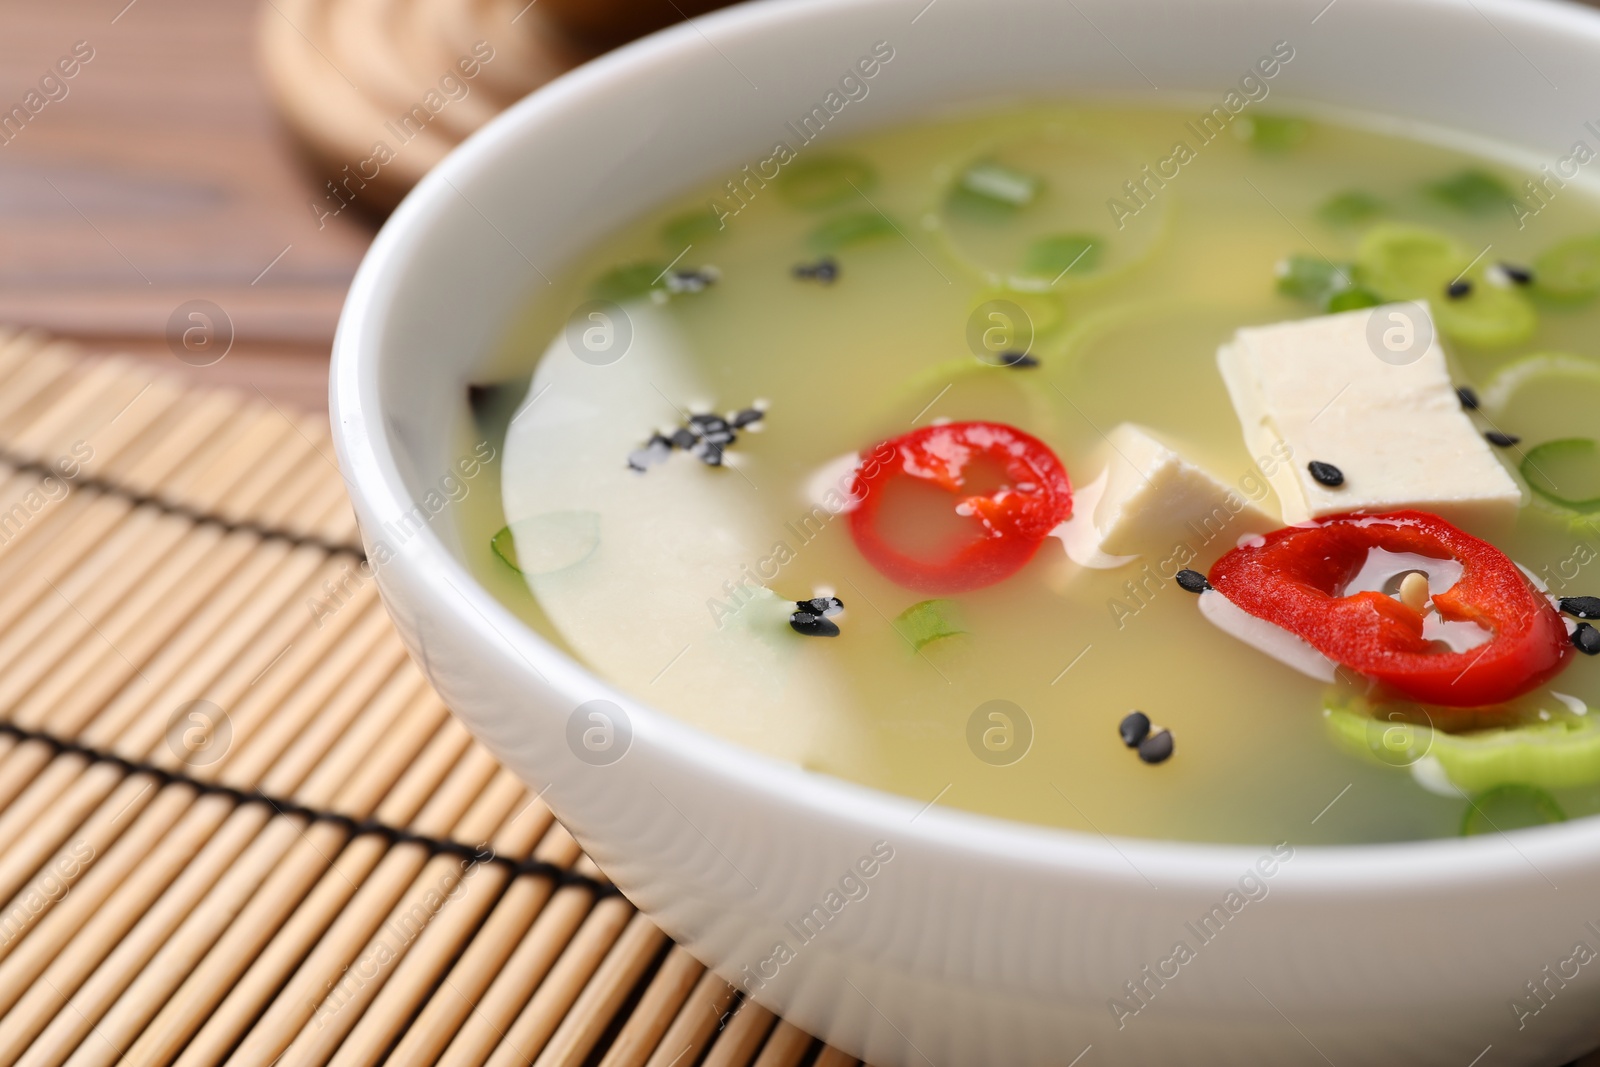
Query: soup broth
1051, 268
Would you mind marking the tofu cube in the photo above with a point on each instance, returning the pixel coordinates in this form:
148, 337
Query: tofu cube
1146, 498
1392, 424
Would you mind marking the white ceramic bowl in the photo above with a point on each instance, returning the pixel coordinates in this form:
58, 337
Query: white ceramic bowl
981, 941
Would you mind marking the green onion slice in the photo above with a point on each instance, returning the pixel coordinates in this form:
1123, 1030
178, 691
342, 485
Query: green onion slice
548, 543
692, 227
1570, 271
1312, 278
1565, 472
1470, 192
1272, 133
505, 548
843, 231
1051, 257
821, 182
627, 282
1399, 262
1000, 184
928, 621
1350, 208
1510, 807
1559, 754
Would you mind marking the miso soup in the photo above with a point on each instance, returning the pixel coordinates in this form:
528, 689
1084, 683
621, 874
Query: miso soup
690, 423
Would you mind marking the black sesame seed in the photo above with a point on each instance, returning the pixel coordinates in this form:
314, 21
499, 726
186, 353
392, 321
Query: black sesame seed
704, 424
1584, 607
1134, 728
1468, 396
1518, 275
1326, 473
683, 439
1157, 748
1501, 440
719, 437
746, 417
1192, 581
822, 605
710, 455
658, 441
824, 270
690, 281
1586, 639
803, 622
1458, 289
1017, 359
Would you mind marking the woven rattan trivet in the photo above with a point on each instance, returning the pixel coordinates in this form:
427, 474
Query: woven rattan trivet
379, 90
236, 826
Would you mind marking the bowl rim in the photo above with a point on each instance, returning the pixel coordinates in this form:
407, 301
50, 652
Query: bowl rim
372, 476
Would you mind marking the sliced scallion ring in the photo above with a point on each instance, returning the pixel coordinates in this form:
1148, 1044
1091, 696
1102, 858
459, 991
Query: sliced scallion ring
854, 228
1569, 272
1051, 257
825, 181
1510, 807
692, 227
1350, 208
505, 548
1559, 754
1565, 472
1471, 192
1557, 369
629, 281
1399, 262
928, 621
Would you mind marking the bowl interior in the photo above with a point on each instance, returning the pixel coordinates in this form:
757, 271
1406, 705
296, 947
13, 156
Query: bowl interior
527, 194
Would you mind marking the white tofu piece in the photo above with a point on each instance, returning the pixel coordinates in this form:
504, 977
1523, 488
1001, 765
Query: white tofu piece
1147, 498
1395, 429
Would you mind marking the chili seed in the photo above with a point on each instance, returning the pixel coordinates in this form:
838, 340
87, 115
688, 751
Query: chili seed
1469, 397
1414, 591
1518, 275
1586, 639
1584, 607
1134, 728
1458, 289
1192, 581
1157, 748
804, 622
1501, 440
1326, 473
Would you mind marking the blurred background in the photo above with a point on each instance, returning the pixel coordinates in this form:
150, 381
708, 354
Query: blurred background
180, 178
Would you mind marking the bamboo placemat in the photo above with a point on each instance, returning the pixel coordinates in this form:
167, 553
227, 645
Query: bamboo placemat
236, 826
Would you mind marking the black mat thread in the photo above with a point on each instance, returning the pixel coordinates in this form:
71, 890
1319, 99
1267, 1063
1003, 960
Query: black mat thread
395, 835
109, 488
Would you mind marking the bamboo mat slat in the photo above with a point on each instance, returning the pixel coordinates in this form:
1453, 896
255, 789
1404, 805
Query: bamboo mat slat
237, 830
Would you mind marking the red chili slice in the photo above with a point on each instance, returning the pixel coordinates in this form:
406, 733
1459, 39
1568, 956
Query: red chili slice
1296, 580
986, 534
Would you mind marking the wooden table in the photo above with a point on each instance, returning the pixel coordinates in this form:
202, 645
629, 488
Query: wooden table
161, 177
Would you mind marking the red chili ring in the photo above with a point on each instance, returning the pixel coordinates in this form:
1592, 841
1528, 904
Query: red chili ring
1008, 523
